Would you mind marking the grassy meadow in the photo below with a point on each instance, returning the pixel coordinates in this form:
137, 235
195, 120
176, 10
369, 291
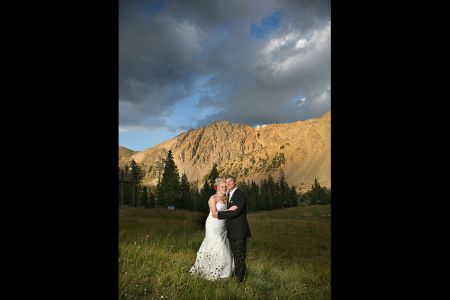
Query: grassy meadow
287, 257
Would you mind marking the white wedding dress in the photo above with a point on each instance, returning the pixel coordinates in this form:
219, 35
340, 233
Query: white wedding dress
214, 258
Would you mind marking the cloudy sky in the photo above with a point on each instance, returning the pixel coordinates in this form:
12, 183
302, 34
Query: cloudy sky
184, 64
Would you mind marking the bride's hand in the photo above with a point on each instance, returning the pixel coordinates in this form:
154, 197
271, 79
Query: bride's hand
234, 207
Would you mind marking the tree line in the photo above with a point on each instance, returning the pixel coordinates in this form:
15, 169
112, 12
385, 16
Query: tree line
171, 190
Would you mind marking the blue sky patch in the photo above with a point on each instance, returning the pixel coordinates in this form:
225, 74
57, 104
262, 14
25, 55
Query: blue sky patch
266, 26
155, 7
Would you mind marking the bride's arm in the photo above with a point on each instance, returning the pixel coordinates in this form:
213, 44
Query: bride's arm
234, 207
212, 206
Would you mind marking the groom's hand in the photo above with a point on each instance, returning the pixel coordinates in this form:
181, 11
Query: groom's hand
233, 208
215, 214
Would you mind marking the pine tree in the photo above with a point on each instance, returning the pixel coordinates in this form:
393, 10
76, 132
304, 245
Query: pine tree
244, 187
151, 196
126, 187
120, 175
253, 198
271, 193
213, 175
195, 196
283, 191
205, 193
293, 197
208, 189
185, 199
258, 200
264, 196
318, 193
169, 187
144, 197
326, 194
137, 174
151, 199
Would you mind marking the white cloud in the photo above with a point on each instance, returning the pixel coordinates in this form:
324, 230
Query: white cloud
188, 35
257, 127
302, 43
277, 43
301, 101
303, 61
321, 38
324, 95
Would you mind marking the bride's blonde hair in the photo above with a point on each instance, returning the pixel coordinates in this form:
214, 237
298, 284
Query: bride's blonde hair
217, 182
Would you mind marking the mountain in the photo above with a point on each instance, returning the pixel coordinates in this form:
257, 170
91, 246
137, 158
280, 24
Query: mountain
125, 152
301, 149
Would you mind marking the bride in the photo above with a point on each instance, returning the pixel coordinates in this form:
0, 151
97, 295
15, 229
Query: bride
214, 259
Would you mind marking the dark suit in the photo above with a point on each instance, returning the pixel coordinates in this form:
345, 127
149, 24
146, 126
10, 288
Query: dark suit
238, 231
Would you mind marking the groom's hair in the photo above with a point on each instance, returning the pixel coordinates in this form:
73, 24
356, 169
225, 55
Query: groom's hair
232, 178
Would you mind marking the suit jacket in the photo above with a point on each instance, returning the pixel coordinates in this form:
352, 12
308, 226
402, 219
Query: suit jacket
237, 224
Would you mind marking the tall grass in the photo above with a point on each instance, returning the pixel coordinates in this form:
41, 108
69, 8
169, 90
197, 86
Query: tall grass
288, 255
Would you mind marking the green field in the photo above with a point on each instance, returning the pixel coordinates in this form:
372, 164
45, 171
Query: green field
288, 256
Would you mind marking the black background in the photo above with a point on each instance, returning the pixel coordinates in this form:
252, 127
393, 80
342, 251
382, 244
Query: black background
61, 148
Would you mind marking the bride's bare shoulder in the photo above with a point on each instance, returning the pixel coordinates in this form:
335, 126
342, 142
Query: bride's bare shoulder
214, 198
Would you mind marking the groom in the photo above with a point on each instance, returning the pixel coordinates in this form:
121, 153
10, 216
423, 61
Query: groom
237, 226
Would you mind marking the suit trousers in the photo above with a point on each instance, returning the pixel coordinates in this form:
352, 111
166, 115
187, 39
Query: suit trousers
239, 250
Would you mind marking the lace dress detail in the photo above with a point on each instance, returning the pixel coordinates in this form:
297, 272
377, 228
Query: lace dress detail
214, 259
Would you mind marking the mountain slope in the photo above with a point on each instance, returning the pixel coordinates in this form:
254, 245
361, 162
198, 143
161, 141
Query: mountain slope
301, 149
125, 152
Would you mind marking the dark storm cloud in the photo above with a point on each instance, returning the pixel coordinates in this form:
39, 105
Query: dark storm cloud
259, 69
